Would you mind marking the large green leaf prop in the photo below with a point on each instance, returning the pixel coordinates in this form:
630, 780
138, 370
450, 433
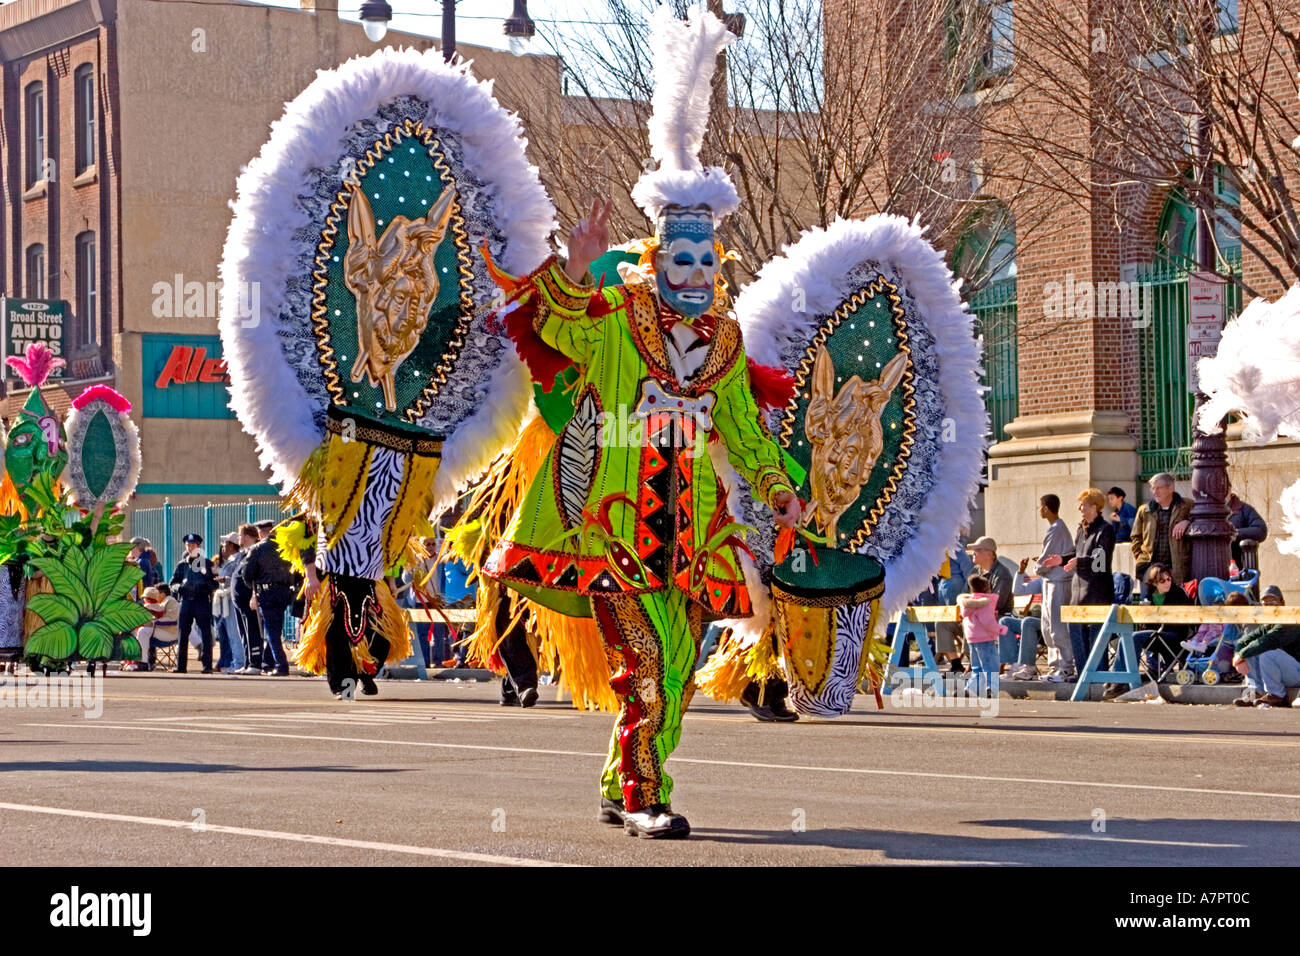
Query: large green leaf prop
88, 612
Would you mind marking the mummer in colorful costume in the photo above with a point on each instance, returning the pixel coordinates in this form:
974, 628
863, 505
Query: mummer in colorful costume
627, 519
375, 386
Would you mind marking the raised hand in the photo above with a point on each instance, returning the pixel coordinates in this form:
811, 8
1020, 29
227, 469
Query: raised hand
589, 240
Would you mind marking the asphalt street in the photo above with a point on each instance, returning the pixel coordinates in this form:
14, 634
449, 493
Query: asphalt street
248, 771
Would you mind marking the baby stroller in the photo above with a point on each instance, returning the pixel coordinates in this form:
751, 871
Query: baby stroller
1210, 592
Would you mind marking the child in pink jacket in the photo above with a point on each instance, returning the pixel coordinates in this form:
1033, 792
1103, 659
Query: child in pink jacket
979, 624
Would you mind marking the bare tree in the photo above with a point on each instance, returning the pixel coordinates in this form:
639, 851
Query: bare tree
1154, 95
843, 108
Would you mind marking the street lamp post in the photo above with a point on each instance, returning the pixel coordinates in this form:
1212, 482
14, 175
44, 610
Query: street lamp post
1210, 530
448, 29
376, 15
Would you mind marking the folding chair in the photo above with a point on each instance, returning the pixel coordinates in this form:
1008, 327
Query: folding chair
164, 654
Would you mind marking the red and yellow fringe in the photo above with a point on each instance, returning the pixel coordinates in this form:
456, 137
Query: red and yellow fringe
733, 667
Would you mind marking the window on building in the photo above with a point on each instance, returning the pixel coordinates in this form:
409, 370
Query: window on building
1166, 387
1176, 234
34, 117
35, 271
87, 320
998, 55
86, 113
1227, 16
984, 28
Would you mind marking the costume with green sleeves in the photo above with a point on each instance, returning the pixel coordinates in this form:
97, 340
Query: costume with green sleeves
627, 520
640, 472
627, 516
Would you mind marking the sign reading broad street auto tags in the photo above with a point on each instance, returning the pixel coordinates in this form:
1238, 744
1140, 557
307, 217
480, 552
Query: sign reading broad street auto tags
28, 321
1205, 312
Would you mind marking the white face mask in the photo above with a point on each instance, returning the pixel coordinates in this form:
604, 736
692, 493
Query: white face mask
686, 269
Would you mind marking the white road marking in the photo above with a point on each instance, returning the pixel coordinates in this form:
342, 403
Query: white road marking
1045, 781
282, 835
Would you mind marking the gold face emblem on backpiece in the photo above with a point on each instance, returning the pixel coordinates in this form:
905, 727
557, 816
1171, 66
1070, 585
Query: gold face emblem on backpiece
395, 284
845, 433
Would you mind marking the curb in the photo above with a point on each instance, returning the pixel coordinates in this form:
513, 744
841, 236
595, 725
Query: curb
1217, 695
409, 672
1220, 694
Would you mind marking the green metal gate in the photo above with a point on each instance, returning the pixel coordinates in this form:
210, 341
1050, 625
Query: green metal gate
166, 526
995, 312
1162, 355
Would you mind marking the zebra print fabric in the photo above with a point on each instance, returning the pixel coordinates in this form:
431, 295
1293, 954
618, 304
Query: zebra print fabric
359, 551
577, 454
836, 696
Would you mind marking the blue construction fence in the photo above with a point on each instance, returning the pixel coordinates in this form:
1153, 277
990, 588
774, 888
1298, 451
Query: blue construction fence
166, 526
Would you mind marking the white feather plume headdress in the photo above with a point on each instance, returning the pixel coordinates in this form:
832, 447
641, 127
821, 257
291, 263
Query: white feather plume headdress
685, 54
1256, 373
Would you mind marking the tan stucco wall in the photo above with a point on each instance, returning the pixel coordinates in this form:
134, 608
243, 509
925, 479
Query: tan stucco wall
1259, 475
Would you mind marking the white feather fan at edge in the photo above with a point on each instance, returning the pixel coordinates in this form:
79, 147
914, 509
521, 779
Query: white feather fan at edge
273, 235
820, 271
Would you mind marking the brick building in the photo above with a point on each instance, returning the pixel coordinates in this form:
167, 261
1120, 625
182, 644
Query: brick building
1086, 319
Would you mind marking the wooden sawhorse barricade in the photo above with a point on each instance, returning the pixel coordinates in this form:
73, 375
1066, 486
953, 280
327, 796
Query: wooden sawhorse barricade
1117, 622
910, 623
457, 615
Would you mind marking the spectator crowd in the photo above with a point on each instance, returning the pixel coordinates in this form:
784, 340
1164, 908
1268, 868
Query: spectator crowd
1007, 610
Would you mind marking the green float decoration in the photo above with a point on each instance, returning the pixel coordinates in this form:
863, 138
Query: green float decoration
77, 583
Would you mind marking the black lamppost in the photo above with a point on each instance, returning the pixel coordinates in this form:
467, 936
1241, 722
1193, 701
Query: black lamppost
1210, 530
376, 14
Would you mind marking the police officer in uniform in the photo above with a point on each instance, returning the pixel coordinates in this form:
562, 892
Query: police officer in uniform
193, 582
270, 578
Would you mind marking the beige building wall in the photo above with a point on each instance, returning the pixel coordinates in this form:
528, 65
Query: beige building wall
1259, 474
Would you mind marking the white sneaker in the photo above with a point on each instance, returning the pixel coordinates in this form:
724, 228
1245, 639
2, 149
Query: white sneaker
1054, 677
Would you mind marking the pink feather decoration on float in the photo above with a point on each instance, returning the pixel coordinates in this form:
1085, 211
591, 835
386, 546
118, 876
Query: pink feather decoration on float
114, 399
35, 367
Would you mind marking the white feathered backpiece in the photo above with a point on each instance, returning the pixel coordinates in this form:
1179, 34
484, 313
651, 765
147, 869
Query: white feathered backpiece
103, 449
397, 128
1256, 374
866, 317
685, 55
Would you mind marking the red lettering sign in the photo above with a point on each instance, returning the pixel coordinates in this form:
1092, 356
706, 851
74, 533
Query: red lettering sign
176, 368
186, 364
214, 370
